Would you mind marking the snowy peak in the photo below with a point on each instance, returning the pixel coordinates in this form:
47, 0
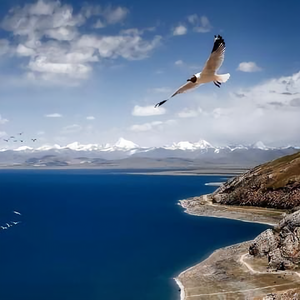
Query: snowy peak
123, 144
260, 145
202, 144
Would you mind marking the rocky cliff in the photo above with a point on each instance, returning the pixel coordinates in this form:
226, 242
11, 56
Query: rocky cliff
275, 184
280, 245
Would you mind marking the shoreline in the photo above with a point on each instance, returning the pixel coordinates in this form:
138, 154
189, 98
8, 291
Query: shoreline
203, 206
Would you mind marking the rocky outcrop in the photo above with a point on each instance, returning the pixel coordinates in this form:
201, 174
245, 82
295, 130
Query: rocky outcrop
275, 184
280, 245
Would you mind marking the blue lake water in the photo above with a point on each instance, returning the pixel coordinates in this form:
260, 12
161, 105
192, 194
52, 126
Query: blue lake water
92, 235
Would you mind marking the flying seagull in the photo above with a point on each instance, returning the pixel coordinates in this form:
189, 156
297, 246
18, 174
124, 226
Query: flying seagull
33, 140
17, 213
208, 73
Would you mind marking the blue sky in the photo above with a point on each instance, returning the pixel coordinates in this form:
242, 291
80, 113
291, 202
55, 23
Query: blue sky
91, 71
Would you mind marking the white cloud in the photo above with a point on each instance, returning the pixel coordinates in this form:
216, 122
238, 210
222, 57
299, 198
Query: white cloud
42, 8
115, 15
189, 113
145, 126
129, 45
179, 62
160, 90
180, 30
3, 120
64, 33
201, 24
248, 67
49, 34
99, 24
54, 115
22, 50
90, 118
145, 111
71, 129
156, 125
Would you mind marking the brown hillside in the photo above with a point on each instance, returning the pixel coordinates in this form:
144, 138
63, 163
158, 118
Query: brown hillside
275, 184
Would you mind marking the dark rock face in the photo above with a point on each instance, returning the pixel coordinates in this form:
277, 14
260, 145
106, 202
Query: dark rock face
280, 245
275, 185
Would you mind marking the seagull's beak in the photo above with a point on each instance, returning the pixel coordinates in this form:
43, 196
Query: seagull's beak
189, 80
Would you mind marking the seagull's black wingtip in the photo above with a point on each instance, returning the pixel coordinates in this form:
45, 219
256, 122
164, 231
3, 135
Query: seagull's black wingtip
160, 103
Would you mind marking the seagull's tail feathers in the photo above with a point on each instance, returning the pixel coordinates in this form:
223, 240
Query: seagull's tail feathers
222, 78
160, 103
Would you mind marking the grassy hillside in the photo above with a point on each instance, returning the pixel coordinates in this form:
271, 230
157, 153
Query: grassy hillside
274, 184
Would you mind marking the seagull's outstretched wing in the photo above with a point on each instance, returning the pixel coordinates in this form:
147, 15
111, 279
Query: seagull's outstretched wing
184, 88
216, 57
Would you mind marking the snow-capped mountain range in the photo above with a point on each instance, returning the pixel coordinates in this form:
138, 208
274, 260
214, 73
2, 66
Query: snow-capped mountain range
126, 154
128, 146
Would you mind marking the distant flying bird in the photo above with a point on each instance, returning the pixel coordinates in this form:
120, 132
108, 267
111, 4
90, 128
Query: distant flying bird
21, 141
208, 73
3, 227
5, 140
33, 140
16, 223
17, 213
12, 137
15, 141
20, 133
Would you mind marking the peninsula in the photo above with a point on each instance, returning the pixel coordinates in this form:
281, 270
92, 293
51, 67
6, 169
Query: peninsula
267, 267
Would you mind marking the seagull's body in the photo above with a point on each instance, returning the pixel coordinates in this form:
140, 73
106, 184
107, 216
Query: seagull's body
209, 72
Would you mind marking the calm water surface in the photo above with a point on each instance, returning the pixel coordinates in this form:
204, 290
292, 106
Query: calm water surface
92, 235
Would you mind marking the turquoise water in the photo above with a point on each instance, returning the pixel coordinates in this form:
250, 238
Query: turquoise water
92, 235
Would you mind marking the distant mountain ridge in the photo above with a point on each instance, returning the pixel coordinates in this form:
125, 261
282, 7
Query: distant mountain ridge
127, 153
126, 145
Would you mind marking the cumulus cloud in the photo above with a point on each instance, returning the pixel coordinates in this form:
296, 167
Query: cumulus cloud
180, 30
129, 45
54, 115
90, 118
248, 67
200, 24
145, 111
49, 35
